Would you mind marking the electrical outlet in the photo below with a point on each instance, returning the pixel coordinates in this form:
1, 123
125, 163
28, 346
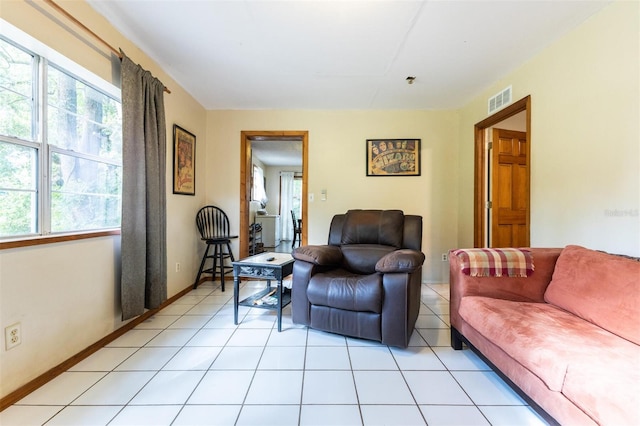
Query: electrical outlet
445, 257
12, 336
178, 267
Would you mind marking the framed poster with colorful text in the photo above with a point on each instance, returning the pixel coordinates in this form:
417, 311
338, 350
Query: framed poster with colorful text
184, 161
393, 157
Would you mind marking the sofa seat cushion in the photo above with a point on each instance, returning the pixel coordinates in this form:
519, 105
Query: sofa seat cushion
549, 341
605, 384
598, 287
343, 290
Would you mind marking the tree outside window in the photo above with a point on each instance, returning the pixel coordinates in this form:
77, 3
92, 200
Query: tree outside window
297, 196
78, 147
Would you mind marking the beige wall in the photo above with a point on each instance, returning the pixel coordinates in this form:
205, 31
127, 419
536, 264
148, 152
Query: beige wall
516, 122
65, 295
337, 164
585, 140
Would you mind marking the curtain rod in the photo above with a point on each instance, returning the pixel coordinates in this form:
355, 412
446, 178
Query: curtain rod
84, 27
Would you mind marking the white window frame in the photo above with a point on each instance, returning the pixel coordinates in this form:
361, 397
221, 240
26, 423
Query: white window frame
47, 57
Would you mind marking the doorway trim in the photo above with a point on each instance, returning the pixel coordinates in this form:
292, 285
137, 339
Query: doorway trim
245, 178
480, 156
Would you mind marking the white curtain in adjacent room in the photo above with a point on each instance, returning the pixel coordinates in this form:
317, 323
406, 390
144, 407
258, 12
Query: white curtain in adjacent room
286, 204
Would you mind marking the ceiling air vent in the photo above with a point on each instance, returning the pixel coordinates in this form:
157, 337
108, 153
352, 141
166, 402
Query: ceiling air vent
500, 100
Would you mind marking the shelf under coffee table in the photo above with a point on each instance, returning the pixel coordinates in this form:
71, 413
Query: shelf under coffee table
266, 266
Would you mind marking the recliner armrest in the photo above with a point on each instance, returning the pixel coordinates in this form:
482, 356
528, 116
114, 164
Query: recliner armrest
404, 260
319, 255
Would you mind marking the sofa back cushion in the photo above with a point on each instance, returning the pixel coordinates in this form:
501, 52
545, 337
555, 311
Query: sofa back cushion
598, 287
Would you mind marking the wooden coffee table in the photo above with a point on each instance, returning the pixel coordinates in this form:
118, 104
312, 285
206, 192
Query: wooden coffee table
266, 266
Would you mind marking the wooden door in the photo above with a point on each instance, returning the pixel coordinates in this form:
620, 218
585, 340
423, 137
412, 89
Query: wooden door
509, 189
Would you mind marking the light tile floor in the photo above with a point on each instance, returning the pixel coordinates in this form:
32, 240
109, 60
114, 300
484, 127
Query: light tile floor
190, 365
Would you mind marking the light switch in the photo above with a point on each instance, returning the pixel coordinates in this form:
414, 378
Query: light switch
311, 197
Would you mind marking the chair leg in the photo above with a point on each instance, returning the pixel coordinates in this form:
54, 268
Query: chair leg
214, 268
230, 252
204, 258
293, 243
221, 259
222, 256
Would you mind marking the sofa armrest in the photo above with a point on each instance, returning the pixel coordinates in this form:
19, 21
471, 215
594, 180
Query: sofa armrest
529, 289
319, 255
404, 260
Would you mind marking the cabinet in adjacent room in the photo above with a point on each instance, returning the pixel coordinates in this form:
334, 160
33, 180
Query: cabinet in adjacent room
270, 229
256, 245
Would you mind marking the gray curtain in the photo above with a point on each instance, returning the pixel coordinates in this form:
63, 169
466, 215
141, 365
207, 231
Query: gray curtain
143, 231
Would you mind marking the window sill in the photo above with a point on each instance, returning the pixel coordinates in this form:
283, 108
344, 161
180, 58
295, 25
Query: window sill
52, 239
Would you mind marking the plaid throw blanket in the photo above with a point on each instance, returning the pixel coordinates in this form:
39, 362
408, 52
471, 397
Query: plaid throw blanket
502, 262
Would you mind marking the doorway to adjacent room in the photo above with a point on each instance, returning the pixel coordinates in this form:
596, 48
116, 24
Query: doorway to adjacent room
246, 166
502, 208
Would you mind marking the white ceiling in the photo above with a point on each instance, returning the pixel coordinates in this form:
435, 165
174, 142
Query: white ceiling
286, 153
339, 54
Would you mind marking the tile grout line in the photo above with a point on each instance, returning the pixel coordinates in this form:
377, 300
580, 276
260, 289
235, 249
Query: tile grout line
185, 345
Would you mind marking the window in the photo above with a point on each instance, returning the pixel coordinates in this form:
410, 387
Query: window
297, 196
259, 183
60, 145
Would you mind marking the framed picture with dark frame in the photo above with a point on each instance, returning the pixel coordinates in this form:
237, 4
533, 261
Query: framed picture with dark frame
393, 157
184, 161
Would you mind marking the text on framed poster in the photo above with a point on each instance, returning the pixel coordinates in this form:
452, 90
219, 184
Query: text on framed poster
393, 157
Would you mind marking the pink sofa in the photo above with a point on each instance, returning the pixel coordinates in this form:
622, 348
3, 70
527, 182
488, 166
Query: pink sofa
567, 337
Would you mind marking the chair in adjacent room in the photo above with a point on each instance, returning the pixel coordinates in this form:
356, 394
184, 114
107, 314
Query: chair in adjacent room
297, 229
213, 225
366, 281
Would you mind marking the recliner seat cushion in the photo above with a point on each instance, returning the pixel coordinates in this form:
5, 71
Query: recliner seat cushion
385, 227
341, 290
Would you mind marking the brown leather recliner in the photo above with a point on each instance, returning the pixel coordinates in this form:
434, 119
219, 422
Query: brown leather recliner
366, 282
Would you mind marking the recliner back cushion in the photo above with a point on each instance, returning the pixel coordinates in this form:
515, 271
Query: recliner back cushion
601, 288
362, 258
384, 227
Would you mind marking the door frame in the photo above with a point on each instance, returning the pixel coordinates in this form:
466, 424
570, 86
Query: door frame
480, 157
246, 136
